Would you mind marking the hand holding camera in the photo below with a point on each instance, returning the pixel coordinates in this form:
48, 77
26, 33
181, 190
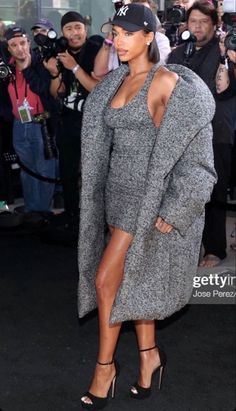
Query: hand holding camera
52, 66
67, 60
50, 45
232, 56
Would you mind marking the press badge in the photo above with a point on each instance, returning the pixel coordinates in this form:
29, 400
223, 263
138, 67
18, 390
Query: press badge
24, 112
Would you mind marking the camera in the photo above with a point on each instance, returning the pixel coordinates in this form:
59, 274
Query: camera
50, 45
118, 4
176, 14
5, 71
174, 17
229, 18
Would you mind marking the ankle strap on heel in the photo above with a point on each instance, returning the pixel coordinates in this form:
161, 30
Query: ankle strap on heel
105, 363
148, 349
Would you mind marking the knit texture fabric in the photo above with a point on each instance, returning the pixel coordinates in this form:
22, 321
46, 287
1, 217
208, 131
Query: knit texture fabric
159, 268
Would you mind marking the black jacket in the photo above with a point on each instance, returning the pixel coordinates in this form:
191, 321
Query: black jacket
85, 58
39, 80
205, 63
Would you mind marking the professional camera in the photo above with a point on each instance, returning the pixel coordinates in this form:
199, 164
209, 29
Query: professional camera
118, 4
176, 14
229, 18
5, 71
50, 45
174, 17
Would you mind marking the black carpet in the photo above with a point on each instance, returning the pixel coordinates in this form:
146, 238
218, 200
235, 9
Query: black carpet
47, 355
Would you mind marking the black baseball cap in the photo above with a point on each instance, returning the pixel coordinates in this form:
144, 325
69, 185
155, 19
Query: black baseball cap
14, 31
132, 17
72, 16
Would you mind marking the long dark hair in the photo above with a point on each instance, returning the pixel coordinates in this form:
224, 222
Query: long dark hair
153, 52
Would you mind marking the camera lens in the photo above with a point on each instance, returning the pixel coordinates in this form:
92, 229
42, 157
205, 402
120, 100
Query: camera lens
52, 34
230, 40
118, 4
3, 71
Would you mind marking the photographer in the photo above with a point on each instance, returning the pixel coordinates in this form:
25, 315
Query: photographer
28, 89
41, 27
225, 80
71, 82
175, 22
205, 59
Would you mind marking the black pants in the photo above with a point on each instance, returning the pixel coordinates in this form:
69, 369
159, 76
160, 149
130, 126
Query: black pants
214, 234
69, 159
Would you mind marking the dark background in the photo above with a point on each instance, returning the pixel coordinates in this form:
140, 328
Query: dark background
47, 355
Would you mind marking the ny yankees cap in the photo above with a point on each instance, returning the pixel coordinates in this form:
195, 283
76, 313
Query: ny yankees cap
132, 17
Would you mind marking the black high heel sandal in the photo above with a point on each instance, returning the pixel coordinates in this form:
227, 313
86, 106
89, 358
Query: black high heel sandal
98, 403
141, 392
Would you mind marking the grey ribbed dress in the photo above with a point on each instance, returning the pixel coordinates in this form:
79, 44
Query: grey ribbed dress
132, 144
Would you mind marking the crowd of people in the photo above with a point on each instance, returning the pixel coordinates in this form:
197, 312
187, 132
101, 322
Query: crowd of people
141, 132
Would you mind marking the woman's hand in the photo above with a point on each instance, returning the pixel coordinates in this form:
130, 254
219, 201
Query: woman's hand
162, 226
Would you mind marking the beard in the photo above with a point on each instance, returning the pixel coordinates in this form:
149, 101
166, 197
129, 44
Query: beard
75, 49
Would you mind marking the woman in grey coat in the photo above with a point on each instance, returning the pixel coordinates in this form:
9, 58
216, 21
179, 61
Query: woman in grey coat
147, 172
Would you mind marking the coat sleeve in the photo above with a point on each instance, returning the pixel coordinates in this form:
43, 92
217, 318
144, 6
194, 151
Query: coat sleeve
191, 183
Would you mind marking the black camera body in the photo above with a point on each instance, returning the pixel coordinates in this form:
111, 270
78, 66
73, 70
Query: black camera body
230, 39
118, 4
229, 18
50, 45
176, 14
5, 71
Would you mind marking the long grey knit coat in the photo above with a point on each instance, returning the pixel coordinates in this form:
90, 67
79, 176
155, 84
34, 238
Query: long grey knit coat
159, 268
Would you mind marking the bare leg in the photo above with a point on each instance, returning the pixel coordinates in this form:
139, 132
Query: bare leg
108, 279
149, 360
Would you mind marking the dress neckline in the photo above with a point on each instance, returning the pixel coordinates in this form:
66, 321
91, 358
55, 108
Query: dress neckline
131, 101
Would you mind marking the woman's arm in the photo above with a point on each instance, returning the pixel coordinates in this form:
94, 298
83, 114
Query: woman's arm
164, 84
159, 93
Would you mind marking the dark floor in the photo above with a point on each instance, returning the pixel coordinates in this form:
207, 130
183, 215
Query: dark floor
47, 356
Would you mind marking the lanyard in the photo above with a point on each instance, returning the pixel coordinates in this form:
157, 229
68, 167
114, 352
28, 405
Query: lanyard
16, 91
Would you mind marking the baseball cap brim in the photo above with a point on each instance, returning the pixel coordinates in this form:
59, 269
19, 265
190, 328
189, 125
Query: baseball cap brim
106, 27
39, 26
126, 25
